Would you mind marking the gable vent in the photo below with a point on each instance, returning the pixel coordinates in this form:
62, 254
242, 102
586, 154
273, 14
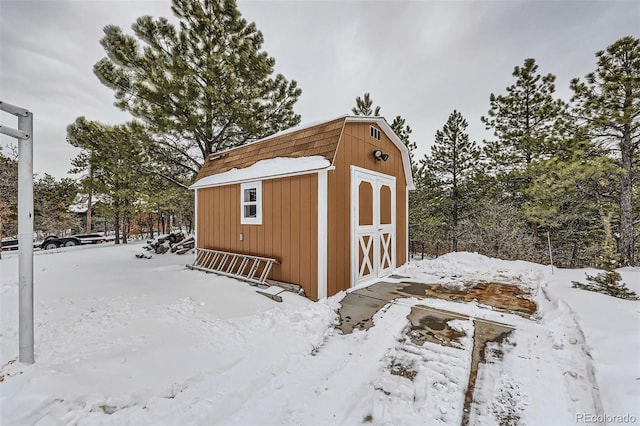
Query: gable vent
375, 133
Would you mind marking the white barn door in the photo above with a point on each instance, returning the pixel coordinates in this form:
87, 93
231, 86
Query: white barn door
373, 225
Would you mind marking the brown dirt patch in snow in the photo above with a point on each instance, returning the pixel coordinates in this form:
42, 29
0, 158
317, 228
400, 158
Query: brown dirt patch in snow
403, 371
502, 297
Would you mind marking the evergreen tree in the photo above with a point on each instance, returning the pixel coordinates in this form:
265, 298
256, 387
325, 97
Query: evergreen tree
569, 195
608, 102
610, 281
525, 120
8, 195
527, 123
427, 221
114, 155
363, 106
52, 199
201, 87
168, 202
454, 161
403, 131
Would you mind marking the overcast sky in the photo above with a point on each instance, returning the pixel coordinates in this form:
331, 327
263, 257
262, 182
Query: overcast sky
419, 59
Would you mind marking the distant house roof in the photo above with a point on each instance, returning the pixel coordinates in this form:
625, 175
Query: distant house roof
80, 203
318, 139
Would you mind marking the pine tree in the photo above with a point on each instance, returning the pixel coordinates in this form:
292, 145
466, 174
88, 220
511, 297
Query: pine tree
608, 282
527, 123
168, 201
427, 221
525, 120
403, 131
8, 195
608, 102
363, 106
569, 195
201, 87
52, 199
454, 161
114, 154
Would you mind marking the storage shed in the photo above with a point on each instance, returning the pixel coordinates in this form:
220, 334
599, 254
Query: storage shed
328, 200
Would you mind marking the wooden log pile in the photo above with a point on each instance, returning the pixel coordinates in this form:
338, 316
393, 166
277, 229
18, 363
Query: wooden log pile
176, 242
183, 246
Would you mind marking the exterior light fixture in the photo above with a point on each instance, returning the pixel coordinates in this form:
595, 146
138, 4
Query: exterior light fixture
379, 155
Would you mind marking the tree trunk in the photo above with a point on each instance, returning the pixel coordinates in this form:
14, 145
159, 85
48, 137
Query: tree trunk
89, 214
625, 247
534, 230
126, 222
454, 226
125, 228
625, 244
158, 221
574, 255
89, 201
117, 225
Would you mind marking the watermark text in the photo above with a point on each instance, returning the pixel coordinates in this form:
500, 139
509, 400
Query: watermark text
605, 418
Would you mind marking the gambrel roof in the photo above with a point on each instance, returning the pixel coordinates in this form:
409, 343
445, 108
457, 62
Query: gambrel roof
319, 139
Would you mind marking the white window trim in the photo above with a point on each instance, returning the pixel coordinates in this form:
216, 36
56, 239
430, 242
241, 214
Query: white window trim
251, 220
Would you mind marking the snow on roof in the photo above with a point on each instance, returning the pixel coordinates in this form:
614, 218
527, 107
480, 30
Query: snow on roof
80, 203
265, 169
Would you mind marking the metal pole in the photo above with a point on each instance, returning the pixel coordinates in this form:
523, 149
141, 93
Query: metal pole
18, 134
25, 239
24, 134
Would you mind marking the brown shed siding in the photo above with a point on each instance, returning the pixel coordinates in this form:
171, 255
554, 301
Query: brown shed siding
356, 148
289, 229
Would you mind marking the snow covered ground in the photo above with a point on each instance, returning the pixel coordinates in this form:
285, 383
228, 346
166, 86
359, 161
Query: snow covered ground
121, 340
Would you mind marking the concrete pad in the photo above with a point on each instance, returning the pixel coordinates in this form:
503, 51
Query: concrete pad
432, 325
359, 306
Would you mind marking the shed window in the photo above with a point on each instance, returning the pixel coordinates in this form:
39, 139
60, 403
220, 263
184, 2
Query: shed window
251, 203
375, 133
